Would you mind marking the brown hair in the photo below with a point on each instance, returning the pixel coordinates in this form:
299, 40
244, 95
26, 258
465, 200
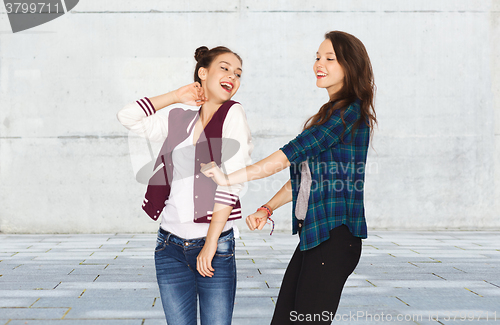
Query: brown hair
204, 57
358, 82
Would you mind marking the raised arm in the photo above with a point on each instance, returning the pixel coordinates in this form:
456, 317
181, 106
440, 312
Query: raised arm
191, 94
140, 118
310, 143
266, 167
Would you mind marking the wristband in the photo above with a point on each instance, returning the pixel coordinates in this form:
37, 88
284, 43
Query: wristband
272, 229
268, 210
269, 214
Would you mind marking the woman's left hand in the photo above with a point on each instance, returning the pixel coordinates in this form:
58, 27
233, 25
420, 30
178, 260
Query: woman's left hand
212, 170
257, 220
204, 259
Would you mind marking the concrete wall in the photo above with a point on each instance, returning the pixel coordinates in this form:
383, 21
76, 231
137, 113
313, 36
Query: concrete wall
67, 165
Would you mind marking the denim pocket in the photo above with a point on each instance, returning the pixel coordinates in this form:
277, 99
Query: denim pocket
160, 244
225, 248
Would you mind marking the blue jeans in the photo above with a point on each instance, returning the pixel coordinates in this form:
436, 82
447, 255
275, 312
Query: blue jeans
180, 283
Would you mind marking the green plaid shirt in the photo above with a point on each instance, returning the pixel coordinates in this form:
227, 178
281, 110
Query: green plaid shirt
337, 172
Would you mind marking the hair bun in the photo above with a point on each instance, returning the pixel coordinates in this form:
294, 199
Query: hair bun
200, 52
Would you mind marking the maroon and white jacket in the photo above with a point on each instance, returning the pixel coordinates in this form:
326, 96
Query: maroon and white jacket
226, 140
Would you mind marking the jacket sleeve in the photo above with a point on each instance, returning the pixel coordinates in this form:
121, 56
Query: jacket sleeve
140, 118
237, 148
318, 138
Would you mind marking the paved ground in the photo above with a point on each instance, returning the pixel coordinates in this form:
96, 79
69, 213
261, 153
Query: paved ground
403, 277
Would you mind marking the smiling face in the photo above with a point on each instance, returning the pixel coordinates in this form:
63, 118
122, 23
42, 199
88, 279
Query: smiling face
222, 79
329, 73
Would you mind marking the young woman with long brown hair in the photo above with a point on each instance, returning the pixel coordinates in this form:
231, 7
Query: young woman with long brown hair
327, 169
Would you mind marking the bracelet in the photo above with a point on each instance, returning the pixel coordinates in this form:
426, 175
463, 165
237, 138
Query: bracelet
272, 229
268, 210
269, 214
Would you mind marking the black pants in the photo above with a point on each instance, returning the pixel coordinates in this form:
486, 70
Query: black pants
314, 279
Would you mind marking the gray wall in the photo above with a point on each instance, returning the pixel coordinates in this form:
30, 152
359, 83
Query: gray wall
67, 165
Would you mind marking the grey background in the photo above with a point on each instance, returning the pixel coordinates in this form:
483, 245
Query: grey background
67, 165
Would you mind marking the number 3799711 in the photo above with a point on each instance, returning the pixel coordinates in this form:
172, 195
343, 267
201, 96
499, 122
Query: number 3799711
32, 8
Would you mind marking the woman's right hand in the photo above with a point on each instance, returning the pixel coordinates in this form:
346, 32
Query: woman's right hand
213, 171
191, 94
257, 220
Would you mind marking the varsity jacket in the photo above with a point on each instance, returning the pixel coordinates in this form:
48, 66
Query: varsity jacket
226, 140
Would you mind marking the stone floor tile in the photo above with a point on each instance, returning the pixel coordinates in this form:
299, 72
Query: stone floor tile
110, 278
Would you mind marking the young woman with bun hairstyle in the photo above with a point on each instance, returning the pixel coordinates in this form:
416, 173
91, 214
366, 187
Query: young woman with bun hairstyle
194, 254
327, 169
